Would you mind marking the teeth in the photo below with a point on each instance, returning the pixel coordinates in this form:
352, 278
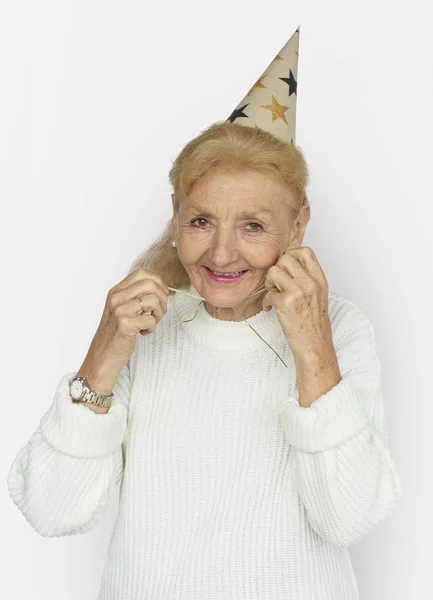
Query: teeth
226, 274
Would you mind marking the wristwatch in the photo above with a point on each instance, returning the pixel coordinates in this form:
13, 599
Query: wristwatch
80, 390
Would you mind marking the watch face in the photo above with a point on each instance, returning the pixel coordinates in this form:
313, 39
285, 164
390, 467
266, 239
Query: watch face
77, 389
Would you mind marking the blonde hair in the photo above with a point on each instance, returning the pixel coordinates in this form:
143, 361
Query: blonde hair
224, 144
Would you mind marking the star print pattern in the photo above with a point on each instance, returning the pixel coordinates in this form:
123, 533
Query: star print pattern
270, 104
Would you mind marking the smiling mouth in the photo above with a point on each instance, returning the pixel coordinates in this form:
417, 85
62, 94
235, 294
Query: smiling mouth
219, 276
216, 272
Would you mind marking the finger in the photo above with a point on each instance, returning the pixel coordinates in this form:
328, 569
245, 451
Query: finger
150, 292
133, 308
277, 279
278, 298
292, 266
309, 262
140, 274
151, 295
150, 302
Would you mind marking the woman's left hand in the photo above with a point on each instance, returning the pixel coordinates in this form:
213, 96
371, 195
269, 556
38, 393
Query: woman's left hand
298, 289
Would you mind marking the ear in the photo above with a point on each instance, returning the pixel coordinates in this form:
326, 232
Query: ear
299, 228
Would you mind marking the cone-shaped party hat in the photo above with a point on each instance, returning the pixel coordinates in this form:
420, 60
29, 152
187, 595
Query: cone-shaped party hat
271, 103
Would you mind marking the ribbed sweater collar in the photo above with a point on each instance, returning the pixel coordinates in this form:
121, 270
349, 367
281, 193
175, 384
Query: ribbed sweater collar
218, 334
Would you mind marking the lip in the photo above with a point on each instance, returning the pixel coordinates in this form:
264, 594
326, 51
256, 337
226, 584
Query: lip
213, 277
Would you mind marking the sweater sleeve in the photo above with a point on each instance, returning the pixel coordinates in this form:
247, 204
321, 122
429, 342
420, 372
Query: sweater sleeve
344, 472
64, 476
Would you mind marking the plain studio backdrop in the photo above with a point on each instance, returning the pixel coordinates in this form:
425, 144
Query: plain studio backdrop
97, 98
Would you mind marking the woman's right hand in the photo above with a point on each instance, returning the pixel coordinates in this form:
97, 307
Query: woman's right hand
115, 338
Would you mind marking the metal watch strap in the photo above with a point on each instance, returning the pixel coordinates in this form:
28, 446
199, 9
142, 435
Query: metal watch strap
97, 399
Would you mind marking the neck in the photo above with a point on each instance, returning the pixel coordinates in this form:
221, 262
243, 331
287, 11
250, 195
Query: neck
230, 314
224, 334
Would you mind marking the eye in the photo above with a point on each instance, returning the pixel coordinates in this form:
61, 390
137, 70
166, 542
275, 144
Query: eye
193, 221
258, 225
197, 219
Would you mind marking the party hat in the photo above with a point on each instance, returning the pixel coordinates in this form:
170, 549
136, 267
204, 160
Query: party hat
271, 103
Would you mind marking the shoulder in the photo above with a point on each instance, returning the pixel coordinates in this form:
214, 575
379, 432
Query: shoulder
344, 313
348, 320
354, 339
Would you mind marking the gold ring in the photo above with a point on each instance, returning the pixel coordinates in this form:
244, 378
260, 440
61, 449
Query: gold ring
144, 311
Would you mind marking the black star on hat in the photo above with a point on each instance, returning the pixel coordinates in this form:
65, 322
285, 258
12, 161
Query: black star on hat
291, 82
238, 112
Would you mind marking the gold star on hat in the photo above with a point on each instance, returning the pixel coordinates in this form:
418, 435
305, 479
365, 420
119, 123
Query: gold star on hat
271, 102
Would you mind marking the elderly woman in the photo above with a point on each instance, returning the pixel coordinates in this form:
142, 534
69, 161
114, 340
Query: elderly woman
250, 444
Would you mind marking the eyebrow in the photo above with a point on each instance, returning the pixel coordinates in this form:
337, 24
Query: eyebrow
245, 214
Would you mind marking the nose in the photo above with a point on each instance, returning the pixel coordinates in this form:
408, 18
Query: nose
223, 246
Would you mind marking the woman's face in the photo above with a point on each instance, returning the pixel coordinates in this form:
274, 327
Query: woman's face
233, 221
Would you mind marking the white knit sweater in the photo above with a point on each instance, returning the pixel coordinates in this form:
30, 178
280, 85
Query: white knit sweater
229, 489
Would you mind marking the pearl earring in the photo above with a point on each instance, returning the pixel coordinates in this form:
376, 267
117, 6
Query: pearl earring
173, 243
